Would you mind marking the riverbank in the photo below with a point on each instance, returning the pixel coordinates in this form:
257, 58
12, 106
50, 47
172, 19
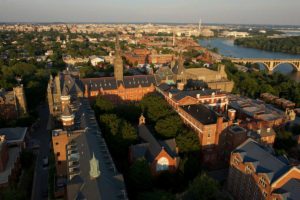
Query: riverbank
227, 48
290, 45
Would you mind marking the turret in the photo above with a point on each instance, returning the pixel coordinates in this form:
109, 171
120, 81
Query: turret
67, 118
65, 98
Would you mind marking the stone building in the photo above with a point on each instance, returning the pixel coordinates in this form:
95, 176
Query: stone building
62, 91
13, 103
256, 173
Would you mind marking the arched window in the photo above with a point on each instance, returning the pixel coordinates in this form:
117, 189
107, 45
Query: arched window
162, 164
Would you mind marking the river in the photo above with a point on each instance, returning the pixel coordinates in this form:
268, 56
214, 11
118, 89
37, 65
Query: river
227, 48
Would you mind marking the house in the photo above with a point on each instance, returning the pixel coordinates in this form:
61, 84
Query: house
162, 155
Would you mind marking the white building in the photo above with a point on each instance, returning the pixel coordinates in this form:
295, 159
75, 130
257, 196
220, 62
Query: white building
95, 60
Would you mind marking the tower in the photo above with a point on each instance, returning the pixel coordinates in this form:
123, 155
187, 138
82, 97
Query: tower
180, 74
118, 62
20, 100
67, 118
65, 97
199, 26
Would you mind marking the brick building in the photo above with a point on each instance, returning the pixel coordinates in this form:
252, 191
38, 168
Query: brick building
160, 58
255, 173
162, 155
119, 88
137, 56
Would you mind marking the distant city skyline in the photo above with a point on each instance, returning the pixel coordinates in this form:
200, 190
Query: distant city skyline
276, 12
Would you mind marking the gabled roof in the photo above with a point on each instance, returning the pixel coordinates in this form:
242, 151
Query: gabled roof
264, 161
152, 147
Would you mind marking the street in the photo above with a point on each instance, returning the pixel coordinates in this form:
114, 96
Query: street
40, 184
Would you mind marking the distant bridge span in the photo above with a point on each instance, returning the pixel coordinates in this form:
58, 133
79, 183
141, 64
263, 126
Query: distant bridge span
270, 64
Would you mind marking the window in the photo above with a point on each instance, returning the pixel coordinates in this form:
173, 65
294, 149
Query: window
58, 153
236, 160
56, 143
262, 181
265, 194
162, 164
248, 169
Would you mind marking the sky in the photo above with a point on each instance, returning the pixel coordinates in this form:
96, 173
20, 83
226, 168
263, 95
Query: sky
284, 12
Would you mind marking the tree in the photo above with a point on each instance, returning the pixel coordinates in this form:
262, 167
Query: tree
187, 141
140, 178
103, 105
168, 127
128, 132
155, 107
202, 188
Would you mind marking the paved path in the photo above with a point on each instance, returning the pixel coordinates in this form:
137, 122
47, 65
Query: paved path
41, 134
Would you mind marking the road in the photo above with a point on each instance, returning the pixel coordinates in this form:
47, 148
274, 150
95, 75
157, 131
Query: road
41, 178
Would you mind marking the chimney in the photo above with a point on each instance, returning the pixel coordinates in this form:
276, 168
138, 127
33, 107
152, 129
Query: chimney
231, 114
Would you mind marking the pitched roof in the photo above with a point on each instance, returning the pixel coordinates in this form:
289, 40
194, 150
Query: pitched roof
110, 83
290, 190
264, 161
152, 147
201, 113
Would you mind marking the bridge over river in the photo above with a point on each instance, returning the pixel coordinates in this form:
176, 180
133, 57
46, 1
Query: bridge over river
270, 64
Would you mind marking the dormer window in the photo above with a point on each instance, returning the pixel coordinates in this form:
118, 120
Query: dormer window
248, 169
236, 160
263, 181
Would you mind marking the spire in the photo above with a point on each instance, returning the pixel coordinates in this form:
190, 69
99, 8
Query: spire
94, 167
118, 62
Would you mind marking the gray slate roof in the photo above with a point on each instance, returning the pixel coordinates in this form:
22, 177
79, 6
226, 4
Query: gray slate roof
264, 161
152, 147
110, 83
290, 190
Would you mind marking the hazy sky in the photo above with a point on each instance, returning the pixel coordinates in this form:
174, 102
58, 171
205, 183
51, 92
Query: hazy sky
211, 11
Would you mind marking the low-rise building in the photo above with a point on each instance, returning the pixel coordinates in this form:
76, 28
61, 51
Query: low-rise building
162, 155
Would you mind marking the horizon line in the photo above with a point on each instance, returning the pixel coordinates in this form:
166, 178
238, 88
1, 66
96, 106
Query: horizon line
166, 23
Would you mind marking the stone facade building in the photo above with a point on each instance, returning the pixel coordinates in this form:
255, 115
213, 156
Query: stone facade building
13, 103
